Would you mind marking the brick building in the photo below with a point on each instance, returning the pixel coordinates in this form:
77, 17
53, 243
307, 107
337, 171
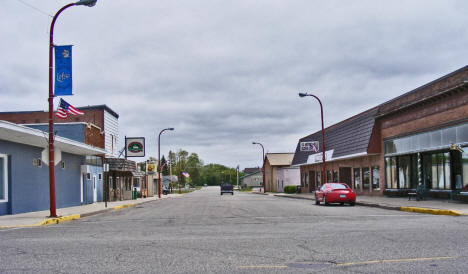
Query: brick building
102, 127
420, 137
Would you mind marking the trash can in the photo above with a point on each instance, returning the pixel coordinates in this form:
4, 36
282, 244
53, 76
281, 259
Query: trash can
298, 189
134, 194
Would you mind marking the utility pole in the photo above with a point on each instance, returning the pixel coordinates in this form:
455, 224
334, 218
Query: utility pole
237, 176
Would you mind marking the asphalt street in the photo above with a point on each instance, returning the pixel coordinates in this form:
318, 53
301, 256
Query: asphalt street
204, 232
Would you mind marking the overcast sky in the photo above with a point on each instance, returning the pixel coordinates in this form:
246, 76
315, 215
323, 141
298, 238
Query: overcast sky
226, 73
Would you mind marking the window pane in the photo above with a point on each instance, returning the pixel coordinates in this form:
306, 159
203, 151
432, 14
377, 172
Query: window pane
447, 170
436, 138
357, 178
427, 170
2, 179
388, 172
319, 178
335, 176
465, 169
434, 170
462, 133
375, 177
449, 136
390, 147
365, 178
424, 140
404, 171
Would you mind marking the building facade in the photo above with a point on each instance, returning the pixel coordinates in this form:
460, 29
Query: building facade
273, 162
352, 149
254, 179
418, 138
24, 174
425, 138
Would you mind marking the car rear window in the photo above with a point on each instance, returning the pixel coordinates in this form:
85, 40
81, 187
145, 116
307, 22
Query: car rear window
338, 186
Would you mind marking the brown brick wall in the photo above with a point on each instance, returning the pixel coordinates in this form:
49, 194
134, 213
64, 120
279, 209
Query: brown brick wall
95, 116
94, 136
367, 161
431, 89
433, 114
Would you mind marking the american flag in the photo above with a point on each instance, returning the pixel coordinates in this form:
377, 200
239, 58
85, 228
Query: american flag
64, 108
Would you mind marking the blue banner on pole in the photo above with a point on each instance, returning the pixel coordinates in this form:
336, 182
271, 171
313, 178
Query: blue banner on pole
63, 70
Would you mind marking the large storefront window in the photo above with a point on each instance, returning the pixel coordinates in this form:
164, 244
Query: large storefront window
465, 170
335, 176
3, 178
436, 170
357, 178
375, 178
319, 178
390, 172
365, 178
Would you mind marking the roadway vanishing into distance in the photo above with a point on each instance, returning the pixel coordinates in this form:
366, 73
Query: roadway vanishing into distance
204, 232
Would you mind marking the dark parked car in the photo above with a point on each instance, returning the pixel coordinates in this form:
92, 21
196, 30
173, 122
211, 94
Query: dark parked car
227, 188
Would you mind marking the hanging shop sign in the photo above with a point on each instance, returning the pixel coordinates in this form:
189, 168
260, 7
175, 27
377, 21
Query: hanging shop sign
134, 146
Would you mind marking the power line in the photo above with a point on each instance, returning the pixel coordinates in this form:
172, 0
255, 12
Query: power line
34, 8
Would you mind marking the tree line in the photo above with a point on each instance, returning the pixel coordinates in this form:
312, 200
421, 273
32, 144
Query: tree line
200, 174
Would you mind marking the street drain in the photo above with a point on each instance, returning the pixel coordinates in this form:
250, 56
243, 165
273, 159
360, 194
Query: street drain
309, 265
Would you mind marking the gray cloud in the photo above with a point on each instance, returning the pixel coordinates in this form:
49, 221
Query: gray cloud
225, 73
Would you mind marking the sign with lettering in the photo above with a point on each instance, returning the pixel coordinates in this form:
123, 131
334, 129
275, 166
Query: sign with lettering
310, 146
135, 146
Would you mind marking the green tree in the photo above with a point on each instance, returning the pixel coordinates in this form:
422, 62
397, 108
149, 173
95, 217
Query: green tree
193, 167
165, 167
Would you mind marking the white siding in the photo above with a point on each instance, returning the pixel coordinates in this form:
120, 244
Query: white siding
287, 176
111, 131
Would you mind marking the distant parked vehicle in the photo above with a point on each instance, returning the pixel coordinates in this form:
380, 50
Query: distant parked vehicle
227, 188
335, 193
166, 189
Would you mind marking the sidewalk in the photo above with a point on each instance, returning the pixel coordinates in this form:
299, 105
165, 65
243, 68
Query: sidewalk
39, 218
430, 206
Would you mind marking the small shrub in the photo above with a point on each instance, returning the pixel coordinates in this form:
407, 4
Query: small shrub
290, 189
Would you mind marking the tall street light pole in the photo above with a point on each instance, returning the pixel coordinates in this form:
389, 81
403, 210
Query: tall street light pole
88, 3
263, 165
159, 160
324, 169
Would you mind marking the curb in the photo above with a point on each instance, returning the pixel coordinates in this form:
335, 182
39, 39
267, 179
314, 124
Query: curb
294, 197
431, 211
51, 221
399, 208
124, 206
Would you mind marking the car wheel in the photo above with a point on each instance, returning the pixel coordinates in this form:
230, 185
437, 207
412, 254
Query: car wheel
221, 193
352, 204
341, 203
325, 202
316, 200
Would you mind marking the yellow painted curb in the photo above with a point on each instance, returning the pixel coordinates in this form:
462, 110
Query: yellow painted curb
123, 206
60, 219
51, 221
431, 211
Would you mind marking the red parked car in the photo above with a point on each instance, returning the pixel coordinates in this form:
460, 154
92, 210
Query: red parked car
335, 193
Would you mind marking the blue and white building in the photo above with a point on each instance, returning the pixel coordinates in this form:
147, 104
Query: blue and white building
24, 174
